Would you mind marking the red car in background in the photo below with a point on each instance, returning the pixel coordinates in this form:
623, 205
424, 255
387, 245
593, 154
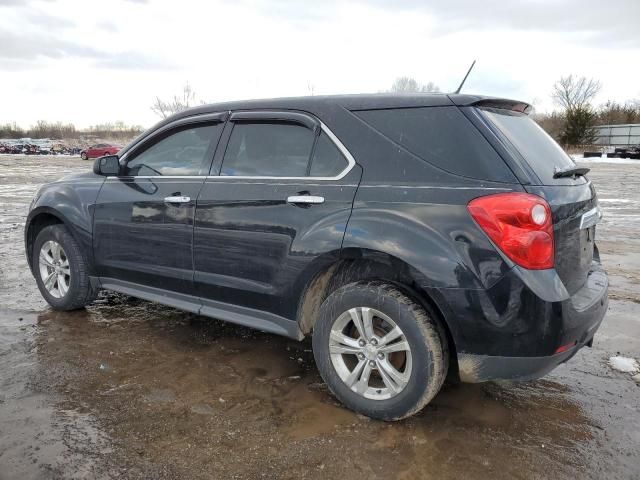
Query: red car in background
99, 150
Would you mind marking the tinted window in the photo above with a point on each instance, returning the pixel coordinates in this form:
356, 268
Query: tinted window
327, 160
442, 136
268, 149
183, 152
540, 151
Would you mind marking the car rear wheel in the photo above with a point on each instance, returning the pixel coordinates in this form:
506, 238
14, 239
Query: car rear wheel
61, 269
380, 353
83, 156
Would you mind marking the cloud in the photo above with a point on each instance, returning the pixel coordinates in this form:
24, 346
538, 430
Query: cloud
132, 61
233, 49
611, 23
600, 23
29, 46
107, 26
22, 3
20, 51
46, 21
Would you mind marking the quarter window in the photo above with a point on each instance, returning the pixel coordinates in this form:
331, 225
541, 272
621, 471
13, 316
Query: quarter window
327, 160
182, 152
442, 136
268, 150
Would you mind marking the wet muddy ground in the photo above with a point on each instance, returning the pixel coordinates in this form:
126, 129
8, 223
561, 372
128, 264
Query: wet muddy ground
130, 389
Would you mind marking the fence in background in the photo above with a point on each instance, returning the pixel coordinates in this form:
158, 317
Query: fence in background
618, 135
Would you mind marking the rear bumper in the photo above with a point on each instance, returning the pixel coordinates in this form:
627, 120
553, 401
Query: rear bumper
482, 368
517, 331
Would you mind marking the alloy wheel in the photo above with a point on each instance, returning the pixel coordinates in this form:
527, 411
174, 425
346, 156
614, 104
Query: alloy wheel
370, 353
55, 271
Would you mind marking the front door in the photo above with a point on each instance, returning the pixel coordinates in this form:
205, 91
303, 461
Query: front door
280, 202
143, 220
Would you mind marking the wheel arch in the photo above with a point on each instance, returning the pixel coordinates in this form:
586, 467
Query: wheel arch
39, 219
357, 264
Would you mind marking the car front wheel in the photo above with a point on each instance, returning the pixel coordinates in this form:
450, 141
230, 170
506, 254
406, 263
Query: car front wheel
61, 270
380, 353
83, 156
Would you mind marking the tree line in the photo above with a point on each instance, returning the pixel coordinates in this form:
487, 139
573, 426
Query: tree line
60, 130
573, 124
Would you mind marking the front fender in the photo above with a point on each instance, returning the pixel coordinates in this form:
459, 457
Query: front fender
72, 203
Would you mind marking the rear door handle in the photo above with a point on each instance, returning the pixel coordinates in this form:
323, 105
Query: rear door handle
177, 199
309, 199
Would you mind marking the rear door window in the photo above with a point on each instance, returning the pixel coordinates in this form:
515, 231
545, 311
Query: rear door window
268, 150
442, 136
538, 149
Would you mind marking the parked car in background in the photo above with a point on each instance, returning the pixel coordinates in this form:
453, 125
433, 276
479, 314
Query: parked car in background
410, 236
99, 150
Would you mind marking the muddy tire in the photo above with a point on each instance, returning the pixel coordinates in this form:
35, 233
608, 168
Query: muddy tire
61, 270
380, 353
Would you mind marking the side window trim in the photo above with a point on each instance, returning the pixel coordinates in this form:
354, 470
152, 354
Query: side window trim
276, 116
287, 116
317, 132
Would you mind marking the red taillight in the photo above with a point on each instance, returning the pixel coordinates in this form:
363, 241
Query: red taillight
564, 348
519, 224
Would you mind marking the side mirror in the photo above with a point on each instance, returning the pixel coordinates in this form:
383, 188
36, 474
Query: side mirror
109, 166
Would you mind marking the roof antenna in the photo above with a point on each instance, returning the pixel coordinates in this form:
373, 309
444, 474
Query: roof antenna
465, 77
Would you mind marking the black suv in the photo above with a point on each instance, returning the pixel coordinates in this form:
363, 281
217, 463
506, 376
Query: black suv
411, 236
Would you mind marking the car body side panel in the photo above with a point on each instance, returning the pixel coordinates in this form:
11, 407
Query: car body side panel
437, 238
141, 238
72, 200
253, 249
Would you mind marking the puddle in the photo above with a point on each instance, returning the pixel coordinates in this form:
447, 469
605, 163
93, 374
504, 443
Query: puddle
180, 396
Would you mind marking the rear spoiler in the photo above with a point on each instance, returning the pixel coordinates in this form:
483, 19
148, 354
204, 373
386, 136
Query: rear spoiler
489, 102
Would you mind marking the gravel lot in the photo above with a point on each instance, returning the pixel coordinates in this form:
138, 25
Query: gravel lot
130, 389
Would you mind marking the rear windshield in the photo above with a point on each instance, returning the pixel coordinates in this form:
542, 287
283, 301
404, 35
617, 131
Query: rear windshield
442, 136
539, 150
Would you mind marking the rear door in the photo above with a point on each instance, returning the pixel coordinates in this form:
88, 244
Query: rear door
278, 199
143, 221
573, 200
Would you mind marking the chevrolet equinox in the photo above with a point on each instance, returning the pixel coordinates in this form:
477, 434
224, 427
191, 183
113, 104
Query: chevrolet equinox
411, 236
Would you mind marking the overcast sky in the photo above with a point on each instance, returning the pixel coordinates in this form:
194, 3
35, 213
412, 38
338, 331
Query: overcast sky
87, 62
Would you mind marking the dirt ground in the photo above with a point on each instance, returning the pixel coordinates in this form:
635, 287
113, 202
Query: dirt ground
130, 389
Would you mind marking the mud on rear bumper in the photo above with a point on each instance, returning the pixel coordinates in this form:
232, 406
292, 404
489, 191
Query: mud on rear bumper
482, 368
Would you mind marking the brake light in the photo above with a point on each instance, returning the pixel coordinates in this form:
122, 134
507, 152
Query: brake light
519, 224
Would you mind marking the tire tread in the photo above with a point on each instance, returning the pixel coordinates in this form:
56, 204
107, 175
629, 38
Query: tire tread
427, 321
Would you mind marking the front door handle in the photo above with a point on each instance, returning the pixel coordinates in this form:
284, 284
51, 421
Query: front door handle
177, 199
309, 199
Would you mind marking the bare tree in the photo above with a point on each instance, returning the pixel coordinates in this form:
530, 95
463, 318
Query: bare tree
572, 93
614, 113
311, 88
410, 85
166, 108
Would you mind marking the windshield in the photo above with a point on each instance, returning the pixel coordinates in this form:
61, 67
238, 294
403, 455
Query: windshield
539, 150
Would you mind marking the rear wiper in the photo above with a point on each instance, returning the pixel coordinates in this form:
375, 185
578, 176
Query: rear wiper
570, 172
